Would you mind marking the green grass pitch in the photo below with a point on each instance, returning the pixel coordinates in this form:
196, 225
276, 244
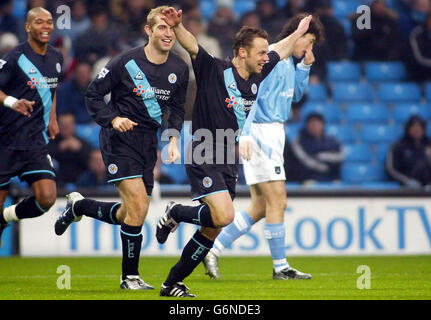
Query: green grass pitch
243, 278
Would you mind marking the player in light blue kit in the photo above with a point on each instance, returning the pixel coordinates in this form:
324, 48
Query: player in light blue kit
261, 146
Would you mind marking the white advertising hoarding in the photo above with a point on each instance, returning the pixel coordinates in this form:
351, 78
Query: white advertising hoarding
314, 226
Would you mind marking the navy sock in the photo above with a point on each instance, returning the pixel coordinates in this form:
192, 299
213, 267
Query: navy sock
200, 215
193, 253
131, 239
103, 211
29, 208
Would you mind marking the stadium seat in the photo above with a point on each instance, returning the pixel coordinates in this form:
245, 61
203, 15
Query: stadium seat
281, 3
347, 25
428, 92
89, 132
326, 185
317, 92
381, 185
379, 133
376, 71
367, 113
343, 8
354, 173
403, 111
399, 92
343, 133
292, 130
330, 112
343, 71
208, 8
357, 153
176, 172
352, 92
429, 129
379, 151
242, 6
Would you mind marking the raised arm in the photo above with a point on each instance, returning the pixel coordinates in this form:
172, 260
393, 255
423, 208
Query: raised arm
187, 40
285, 47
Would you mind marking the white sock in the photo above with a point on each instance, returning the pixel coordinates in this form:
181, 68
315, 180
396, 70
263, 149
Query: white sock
9, 213
280, 264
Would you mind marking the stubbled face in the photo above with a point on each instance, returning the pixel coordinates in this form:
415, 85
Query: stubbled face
303, 44
40, 27
257, 55
161, 35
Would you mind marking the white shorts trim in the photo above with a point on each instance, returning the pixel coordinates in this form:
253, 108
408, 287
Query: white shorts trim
267, 161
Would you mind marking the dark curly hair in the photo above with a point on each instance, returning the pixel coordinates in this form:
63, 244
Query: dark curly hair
316, 27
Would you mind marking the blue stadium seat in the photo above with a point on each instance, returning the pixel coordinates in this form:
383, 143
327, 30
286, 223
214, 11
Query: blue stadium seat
352, 92
403, 111
357, 153
381, 185
331, 112
89, 132
347, 25
208, 8
376, 71
355, 173
343, 133
367, 112
327, 185
292, 130
379, 133
343, 9
177, 172
242, 6
379, 151
281, 3
429, 129
399, 92
343, 71
317, 92
428, 92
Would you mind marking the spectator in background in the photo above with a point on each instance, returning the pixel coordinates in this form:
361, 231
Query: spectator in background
293, 7
272, 21
319, 156
7, 22
69, 151
413, 14
8, 41
381, 42
93, 43
335, 45
95, 175
418, 56
250, 19
70, 94
223, 27
408, 160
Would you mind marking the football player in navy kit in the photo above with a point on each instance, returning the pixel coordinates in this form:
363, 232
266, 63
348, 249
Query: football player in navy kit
144, 82
225, 92
29, 76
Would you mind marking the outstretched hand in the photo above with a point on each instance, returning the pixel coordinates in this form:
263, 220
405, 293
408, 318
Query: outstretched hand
304, 24
172, 17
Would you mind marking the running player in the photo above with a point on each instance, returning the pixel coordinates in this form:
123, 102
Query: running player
29, 75
262, 144
226, 91
144, 83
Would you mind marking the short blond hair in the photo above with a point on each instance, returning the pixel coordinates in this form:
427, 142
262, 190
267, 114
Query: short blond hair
151, 18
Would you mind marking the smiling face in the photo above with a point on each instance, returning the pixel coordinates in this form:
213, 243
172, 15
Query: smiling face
161, 36
256, 55
303, 44
39, 25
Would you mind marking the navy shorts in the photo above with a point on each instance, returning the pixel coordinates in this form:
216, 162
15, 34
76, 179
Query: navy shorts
128, 155
29, 165
207, 179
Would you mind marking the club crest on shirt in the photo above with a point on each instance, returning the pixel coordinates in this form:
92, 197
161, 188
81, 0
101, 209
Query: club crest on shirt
172, 78
207, 182
254, 88
112, 168
139, 76
58, 67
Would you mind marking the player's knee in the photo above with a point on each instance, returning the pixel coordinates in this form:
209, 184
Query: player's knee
224, 217
46, 200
